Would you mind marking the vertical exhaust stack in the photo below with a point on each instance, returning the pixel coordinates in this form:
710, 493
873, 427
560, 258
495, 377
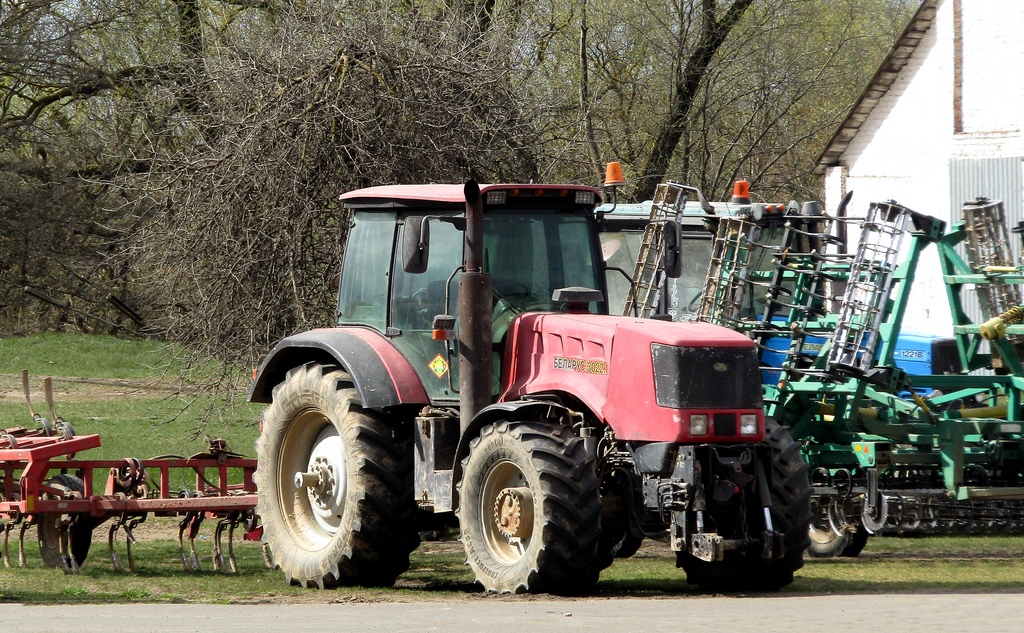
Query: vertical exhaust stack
474, 315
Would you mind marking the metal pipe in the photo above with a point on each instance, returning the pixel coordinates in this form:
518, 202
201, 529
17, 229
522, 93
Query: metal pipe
475, 348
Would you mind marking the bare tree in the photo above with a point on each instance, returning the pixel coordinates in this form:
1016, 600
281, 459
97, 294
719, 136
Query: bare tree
239, 232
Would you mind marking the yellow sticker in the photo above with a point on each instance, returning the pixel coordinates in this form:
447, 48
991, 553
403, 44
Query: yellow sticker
439, 366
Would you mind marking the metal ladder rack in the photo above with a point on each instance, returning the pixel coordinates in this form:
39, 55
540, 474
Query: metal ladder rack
863, 308
645, 291
988, 250
798, 293
736, 252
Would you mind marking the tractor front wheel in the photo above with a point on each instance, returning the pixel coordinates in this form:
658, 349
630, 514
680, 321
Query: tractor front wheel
530, 509
334, 484
790, 511
790, 493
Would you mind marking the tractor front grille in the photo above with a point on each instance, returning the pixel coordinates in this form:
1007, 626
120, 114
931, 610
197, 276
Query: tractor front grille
725, 424
706, 378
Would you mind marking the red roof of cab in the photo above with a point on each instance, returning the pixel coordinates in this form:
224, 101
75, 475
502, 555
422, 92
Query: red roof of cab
438, 193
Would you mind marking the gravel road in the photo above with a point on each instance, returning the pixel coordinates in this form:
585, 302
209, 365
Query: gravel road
898, 613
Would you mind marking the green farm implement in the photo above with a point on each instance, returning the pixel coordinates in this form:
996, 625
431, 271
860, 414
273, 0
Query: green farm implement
889, 449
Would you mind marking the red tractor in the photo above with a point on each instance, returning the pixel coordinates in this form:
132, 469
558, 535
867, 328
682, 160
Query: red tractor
476, 377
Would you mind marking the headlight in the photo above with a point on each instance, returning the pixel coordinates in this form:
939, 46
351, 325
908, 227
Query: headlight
585, 197
748, 424
698, 424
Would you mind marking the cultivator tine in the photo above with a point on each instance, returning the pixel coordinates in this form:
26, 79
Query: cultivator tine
228, 523
62, 428
191, 522
218, 552
129, 540
7, 540
231, 545
21, 544
123, 523
40, 420
68, 564
111, 537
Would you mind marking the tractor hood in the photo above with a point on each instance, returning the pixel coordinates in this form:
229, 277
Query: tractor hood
639, 376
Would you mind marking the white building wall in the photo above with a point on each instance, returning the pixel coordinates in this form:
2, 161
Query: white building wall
902, 151
993, 78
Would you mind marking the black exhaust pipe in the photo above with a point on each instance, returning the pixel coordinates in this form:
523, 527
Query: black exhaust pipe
475, 347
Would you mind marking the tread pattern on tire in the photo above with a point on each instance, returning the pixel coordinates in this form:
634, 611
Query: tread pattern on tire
377, 532
791, 493
564, 559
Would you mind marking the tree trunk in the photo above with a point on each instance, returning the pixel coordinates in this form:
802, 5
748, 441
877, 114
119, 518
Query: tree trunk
713, 32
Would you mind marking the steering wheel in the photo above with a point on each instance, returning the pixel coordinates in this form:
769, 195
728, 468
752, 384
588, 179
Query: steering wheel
695, 299
501, 315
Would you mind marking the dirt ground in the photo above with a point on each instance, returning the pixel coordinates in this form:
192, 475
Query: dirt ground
67, 389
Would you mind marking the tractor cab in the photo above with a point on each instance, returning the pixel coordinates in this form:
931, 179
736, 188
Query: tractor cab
405, 248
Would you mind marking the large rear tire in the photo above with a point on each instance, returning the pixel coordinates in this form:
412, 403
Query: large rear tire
530, 509
334, 482
48, 528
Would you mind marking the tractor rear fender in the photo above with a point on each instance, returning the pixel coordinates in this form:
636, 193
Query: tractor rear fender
512, 410
381, 374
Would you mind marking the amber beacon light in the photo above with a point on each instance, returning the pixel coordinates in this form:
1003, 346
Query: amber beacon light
741, 192
613, 175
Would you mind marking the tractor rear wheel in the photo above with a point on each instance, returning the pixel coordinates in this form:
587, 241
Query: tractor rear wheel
334, 482
530, 509
49, 523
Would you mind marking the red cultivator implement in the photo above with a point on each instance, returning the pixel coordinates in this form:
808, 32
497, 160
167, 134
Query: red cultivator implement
44, 484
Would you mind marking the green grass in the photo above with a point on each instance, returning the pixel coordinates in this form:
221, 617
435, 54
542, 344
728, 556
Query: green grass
141, 417
87, 356
149, 427
437, 571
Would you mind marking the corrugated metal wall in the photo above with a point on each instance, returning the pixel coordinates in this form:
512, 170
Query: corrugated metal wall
996, 179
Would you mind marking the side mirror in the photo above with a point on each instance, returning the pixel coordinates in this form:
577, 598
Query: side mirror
673, 244
415, 245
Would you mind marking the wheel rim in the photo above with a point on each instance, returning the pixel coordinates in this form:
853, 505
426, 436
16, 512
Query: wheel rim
312, 479
825, 530
506, 511
823, 535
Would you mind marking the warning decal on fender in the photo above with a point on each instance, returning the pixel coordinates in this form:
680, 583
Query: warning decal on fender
439, 366
580, 365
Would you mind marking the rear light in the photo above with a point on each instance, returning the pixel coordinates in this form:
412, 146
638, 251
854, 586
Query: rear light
585, 197
495, 197
748, 424
698, 424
